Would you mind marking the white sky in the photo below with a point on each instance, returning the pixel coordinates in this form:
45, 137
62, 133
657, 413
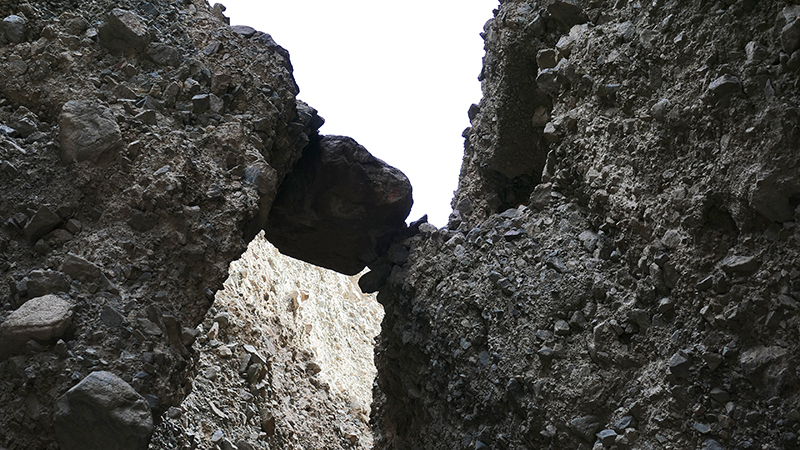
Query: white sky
398, 77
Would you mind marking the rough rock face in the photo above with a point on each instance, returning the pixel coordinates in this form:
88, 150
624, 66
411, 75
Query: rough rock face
340, 206
620, 269
129, 178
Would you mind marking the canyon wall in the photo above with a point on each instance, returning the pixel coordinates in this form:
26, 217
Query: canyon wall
621, 266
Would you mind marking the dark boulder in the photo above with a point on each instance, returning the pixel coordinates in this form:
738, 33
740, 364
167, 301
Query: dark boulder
340, 206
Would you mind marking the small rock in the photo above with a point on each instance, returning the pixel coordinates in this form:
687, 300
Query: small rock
43, 318
568, 12
713, 360
111, 317
541, 116
76, 26
164, 55
585, 427
607, 437
679, 364
244, 30
550, 133
740, 265
43, 282
87, 129
724, 86
79, 268
14, 28
702, 428
720, 395
217, 436
103, 411
660, 109
790, 36
589, 240
561, 328
201, 103
43, 222
123, 30
147, 117
73, 226
547, 81
711, 444
540, 197
546, 58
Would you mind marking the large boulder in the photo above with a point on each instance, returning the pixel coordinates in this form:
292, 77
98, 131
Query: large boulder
87, 129
103, 412
340, 206
43, 318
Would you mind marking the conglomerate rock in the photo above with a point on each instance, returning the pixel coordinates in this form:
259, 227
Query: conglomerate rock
620, 268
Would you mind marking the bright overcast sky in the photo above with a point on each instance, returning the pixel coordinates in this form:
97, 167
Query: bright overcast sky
398, 77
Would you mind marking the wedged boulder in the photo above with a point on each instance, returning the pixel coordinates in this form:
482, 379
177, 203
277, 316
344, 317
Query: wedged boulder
103, 411
340, 206
87, 129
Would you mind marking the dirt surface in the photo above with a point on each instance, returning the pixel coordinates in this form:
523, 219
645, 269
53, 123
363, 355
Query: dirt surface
621, 268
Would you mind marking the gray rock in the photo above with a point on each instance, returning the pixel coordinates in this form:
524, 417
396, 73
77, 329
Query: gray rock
561, 328
339, 207
585, 427
660, 109
43, 318
79, 268
790, 36
87, 129
589, 240
547, 81
540, 197
568, 12
711, 444
740, 265
607, 437
165, 55
679, 364
724, 86
546, 58
103, 411
111, 317
244, 30
201, 103
14, 28
43, 222
76, 26
122, 31
43, 282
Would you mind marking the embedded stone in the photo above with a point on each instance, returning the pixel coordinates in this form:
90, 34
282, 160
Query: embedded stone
102, 411
43, 318
87, 129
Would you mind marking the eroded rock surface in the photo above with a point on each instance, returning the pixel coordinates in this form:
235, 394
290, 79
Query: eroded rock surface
620, 268
340, 206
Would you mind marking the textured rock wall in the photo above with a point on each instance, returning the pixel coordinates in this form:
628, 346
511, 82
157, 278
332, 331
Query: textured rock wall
620, 269
141, 144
